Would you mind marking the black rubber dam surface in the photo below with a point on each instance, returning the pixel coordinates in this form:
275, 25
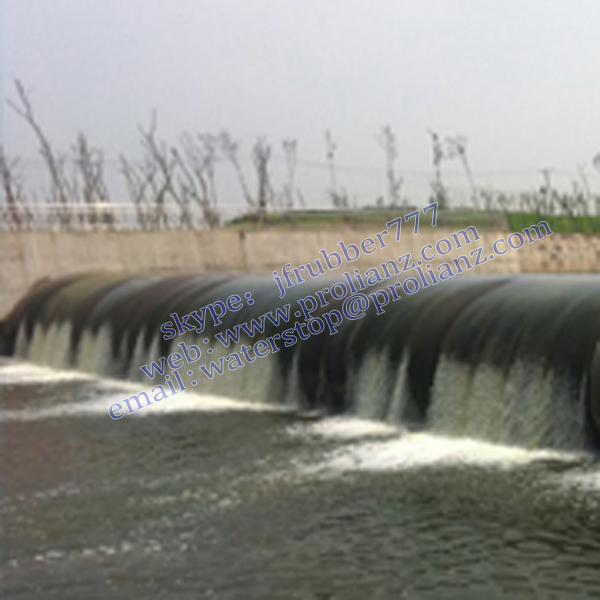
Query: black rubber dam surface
512, 360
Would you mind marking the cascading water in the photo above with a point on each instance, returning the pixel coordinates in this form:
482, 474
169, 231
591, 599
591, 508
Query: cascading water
512, 360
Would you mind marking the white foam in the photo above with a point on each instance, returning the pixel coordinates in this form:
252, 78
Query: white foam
343, 428
14, 373
189, 403
585, 481
192, 402
116, 392
412, 451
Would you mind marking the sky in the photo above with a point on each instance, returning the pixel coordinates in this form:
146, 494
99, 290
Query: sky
518, 78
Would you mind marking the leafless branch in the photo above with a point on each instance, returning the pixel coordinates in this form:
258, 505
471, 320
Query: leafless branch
54, 162
231, 150
18, 215
261, 154
387, 140
290, 149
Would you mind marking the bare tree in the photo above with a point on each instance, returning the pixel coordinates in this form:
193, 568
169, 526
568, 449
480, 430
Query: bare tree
457, 146
169, 178
438, 188
579, 199
210, 144
136, 181
159, 170
166, 174
261, 155
546, 192
89, 186
196, 168
339, 197
301, 199
387, 140
596, 163
231, 151
587, 190
533, 201
290, 149
330, 150
55, 164
496, 201
189, 192
17, 215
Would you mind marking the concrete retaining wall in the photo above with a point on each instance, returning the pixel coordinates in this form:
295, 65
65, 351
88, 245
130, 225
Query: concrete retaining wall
26, 257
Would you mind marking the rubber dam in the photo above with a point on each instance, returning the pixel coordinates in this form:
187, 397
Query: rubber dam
509, 359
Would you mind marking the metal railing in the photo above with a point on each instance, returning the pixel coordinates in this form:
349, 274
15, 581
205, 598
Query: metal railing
110, 216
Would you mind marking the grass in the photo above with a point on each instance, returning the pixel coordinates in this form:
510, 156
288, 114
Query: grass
518, 222
450, 219
377, 218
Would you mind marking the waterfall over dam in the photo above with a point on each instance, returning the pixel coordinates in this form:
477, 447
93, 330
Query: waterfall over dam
512, 360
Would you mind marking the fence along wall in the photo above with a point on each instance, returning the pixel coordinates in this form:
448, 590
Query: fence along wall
27, 257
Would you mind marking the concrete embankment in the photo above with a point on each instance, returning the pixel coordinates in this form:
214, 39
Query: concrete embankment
27, 257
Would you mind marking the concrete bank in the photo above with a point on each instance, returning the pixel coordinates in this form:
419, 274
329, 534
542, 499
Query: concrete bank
27, 257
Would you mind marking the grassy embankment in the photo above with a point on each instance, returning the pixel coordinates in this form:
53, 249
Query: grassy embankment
518, 221
374, 218
450, 219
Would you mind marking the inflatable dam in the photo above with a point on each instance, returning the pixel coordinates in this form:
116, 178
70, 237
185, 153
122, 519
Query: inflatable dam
509, 359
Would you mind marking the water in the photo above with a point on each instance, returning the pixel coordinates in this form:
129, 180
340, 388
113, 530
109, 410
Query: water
205, 497
445, 449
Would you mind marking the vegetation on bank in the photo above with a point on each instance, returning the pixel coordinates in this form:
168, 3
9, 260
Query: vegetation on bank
174, 186
558, 224
357, 218
451, 219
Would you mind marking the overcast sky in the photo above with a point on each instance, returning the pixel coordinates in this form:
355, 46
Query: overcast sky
519, 78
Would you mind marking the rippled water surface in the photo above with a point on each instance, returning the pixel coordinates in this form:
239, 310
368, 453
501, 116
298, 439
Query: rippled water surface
206, 498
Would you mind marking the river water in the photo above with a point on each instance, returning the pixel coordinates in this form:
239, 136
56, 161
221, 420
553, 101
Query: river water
204, 497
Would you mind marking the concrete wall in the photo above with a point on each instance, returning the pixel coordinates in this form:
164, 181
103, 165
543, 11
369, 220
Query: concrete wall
26, 257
